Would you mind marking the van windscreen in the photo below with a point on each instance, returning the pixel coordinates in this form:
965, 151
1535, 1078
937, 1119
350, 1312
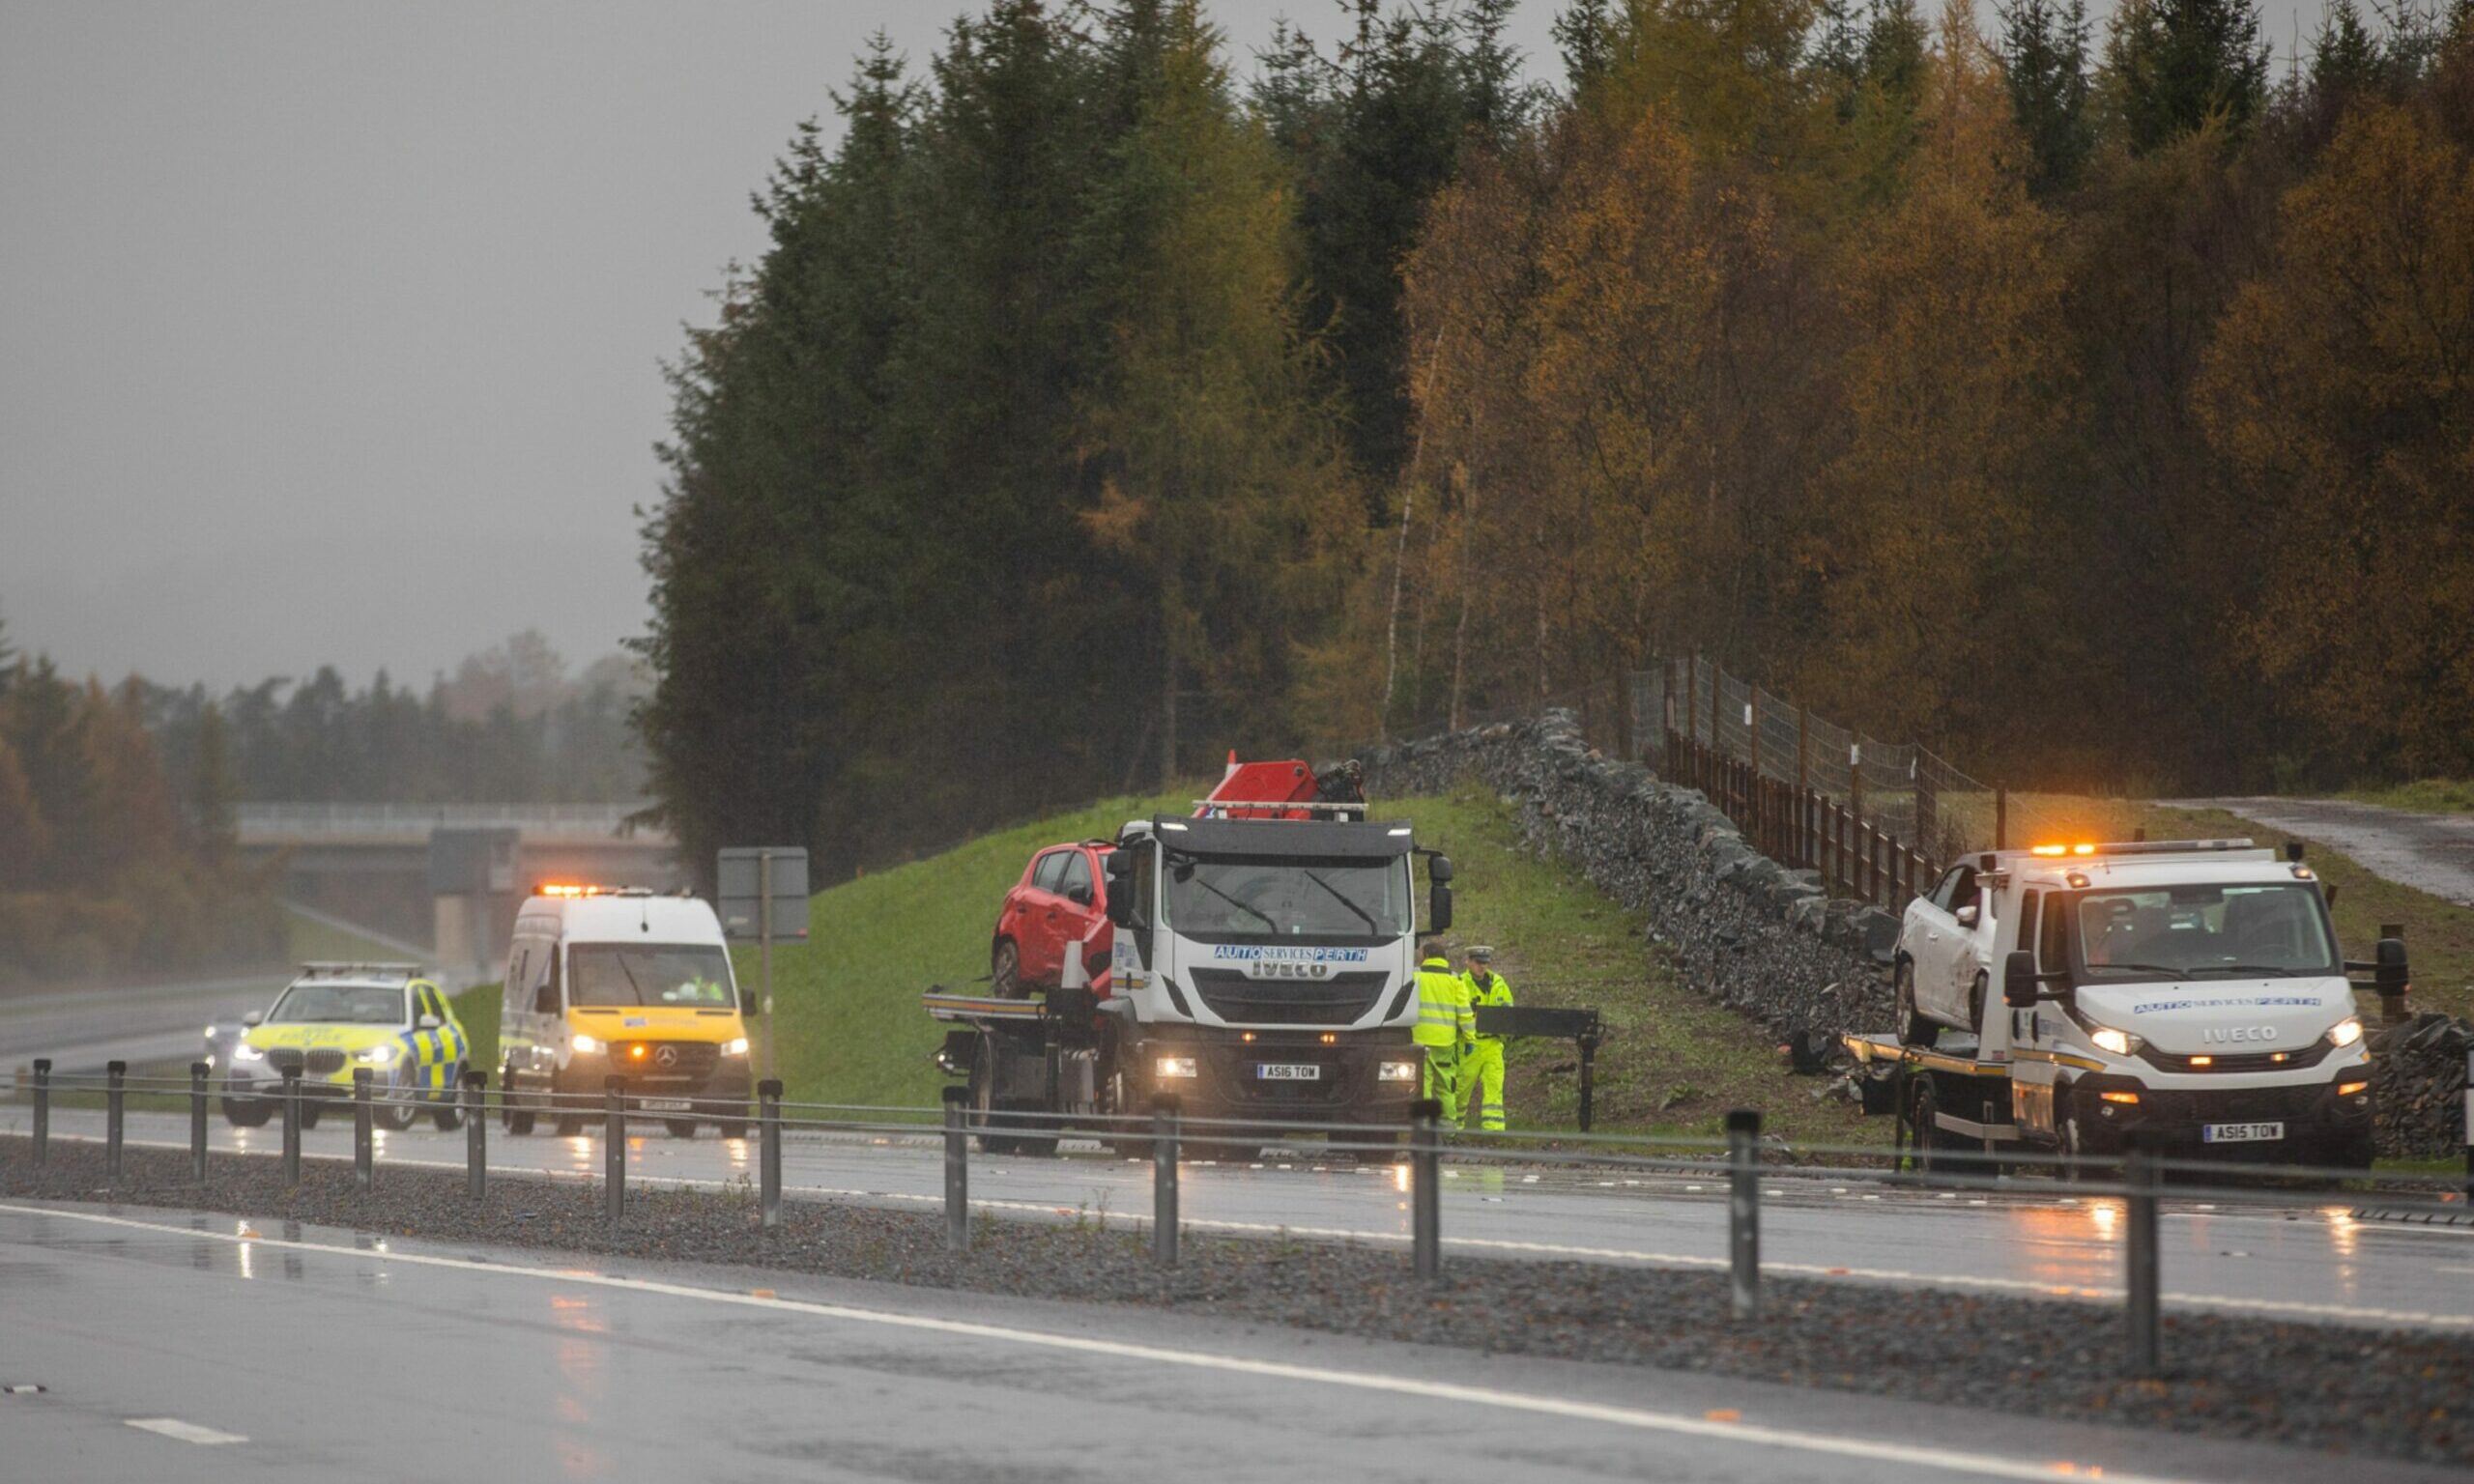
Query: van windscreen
689, 974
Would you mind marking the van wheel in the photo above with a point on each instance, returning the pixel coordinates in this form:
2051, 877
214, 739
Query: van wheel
1005, 970
513, 1112
1913, 1030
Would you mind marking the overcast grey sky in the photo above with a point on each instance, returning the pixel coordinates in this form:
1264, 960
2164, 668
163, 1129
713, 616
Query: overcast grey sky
330, 332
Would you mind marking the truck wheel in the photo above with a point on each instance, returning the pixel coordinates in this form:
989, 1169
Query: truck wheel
1913, 1030
2072, 1149
569, 1125
680, 1128
1926, 1137
734, 1130
1005, 970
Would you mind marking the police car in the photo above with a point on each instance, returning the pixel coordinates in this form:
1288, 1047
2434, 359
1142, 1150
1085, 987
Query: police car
336, 1019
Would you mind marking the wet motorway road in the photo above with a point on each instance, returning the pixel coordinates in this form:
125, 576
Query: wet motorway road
170, 1344
2302, 1262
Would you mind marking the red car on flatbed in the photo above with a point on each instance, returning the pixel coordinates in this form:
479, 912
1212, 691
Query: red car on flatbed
1060, 904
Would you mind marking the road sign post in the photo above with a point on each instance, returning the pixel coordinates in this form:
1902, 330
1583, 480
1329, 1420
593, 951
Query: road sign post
763, 896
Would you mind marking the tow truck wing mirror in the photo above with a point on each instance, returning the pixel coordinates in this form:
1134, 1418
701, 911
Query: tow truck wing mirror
1439, 867
2019, 980
1439, 907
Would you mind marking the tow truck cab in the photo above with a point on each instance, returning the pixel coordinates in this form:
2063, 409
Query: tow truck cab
1267, 966
2193, 989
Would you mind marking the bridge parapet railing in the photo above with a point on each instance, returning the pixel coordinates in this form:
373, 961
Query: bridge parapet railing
267, 822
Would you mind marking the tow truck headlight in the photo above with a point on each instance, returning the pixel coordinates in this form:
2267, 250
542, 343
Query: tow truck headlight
2119, 1043
2345, 1033
583, 1043
377, 1056
245, 1052
737, 1047
1177, 1067
1397, 1072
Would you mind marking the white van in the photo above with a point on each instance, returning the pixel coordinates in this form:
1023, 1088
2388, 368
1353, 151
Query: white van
626, 984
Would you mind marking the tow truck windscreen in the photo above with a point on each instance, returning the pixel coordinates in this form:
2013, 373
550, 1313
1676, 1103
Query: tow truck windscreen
2188, 930
1342, 898
346, 1004
648, 974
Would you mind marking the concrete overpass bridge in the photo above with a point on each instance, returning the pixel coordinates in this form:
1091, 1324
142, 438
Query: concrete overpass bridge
449, 874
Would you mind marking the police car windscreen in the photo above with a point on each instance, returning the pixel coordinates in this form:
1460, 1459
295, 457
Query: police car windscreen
689, 974
1326, 897
327, 1004
2268, 930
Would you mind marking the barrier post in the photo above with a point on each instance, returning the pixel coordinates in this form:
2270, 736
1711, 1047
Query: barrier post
197, 1122
614, 1140
1164, 1132
2138, 1250
2469, 1126
1426, 1181
476, 1138
290, 1127
1744, 1210
957, 1171
362, 1154
115, 1117
42, 1110
768, 1154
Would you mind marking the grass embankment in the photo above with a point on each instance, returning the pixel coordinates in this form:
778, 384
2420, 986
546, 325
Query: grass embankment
851, 1030
307, 940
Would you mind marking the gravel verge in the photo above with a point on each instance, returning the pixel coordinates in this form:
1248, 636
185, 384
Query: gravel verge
2403, 1394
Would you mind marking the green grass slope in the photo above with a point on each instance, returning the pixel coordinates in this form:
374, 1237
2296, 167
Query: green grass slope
851, 1030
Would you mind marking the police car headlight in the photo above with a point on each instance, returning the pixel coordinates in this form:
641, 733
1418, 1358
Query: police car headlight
2345, 1033
377, 1056
1397, 1072
583, 1043
736, 1047
245, 1052
2119, 1043
1177, 1067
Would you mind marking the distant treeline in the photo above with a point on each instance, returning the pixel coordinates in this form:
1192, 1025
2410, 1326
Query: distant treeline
511, 725
2089, 407
109, 862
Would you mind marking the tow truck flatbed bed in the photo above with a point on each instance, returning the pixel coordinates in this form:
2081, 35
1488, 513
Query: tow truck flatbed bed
1958, 1055
945, 1006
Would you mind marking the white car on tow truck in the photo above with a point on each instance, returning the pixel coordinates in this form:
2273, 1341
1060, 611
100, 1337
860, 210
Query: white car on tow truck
2191, 989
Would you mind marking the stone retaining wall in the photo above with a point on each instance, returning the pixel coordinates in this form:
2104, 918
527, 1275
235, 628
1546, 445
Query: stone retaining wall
1768, 941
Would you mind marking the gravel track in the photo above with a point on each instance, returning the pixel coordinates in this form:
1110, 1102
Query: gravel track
2342, 1389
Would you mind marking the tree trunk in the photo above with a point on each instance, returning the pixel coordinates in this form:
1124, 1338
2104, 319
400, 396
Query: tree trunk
1460, 631
1391, 624
1167, 677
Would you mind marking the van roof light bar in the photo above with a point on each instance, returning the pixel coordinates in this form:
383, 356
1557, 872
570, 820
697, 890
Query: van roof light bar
332, 968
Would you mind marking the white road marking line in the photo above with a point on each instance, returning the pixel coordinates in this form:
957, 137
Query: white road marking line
2227, 1303
185, 1432
1955, 1460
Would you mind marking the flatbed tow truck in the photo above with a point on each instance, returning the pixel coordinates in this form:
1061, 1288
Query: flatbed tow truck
2190, 990
1263, 967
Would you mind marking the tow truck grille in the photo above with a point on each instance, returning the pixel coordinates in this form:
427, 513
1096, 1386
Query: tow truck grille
1339, 1000
2311, 1055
